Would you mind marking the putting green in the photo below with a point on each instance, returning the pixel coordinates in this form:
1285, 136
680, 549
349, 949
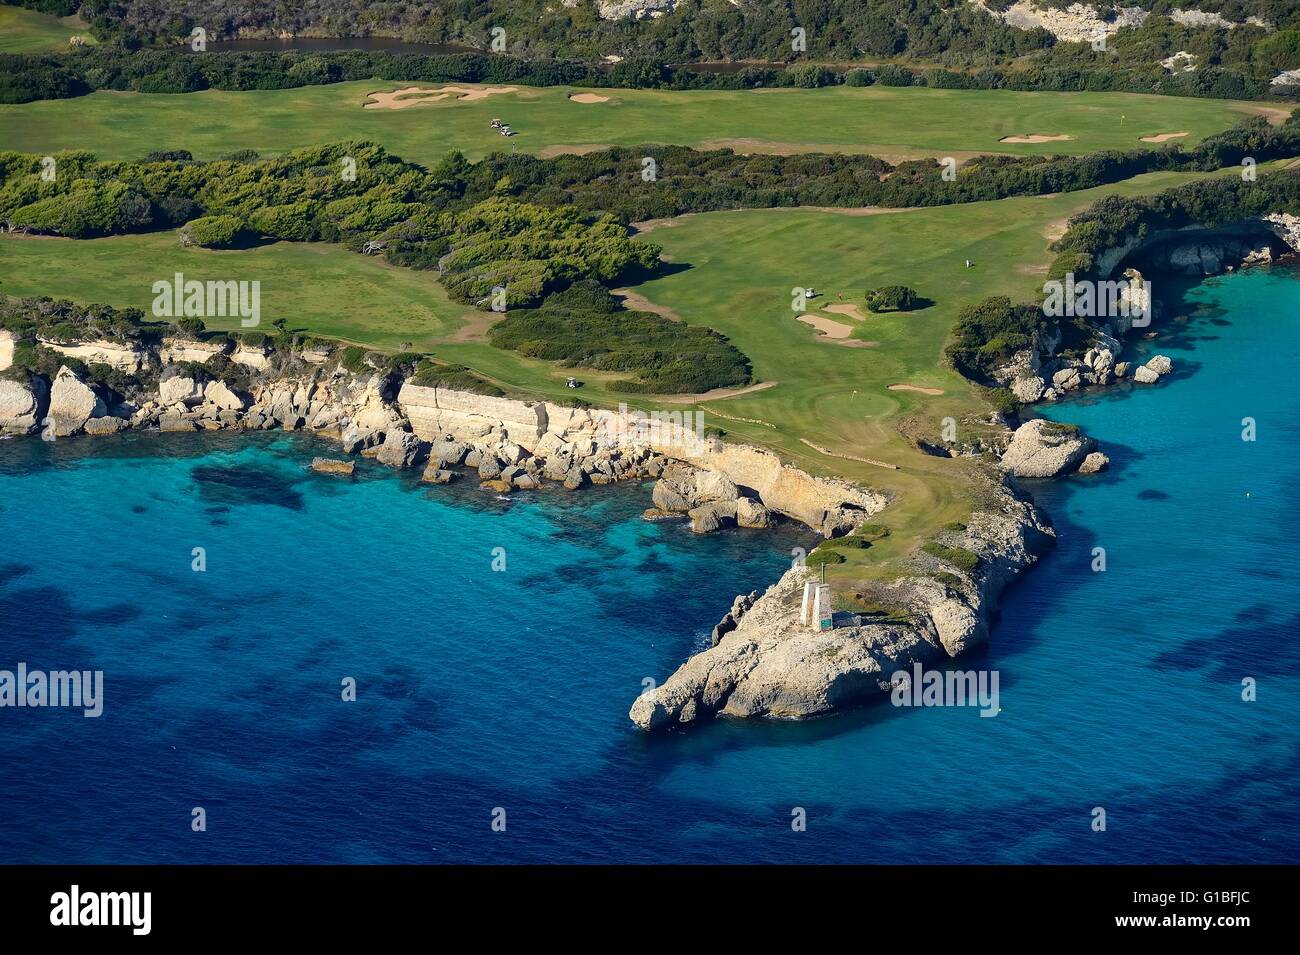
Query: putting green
890, 122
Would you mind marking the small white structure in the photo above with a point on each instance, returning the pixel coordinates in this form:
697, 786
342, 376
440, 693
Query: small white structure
815, 611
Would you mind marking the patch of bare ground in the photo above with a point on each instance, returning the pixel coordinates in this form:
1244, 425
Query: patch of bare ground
718, 394
476, 326
1277, 115
638, 302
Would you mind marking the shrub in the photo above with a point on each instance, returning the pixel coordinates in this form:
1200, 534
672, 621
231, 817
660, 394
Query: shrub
891, 298
214, 232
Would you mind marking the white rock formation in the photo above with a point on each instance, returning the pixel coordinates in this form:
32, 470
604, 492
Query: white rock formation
1079, 23
20, 406
122, 357
1045, 449
73, 403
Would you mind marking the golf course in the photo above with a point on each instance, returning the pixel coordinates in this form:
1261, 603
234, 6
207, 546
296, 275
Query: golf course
893, 123
844, 391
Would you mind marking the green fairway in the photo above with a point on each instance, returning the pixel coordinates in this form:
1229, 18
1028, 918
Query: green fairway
743, 266
891, 122
26, 31
322, 288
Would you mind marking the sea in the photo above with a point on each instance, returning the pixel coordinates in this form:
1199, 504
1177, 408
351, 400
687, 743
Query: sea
304, 668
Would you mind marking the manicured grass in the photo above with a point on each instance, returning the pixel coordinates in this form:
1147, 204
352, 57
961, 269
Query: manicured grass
742, 268
895, 123
321, 288
26, 31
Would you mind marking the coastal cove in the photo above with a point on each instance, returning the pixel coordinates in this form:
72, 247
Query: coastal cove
480, 689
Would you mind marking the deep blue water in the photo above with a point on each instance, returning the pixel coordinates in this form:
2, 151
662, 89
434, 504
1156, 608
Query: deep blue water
480, 689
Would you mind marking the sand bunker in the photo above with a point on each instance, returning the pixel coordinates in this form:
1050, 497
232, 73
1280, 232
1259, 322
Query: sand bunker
588, 98
836, 332
415, 95
1162, 137
917, 388
1035, 138
846, 308
6, 350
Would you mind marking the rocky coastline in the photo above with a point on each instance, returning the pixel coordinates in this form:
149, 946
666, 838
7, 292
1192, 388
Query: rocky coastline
1046, 372
762, 661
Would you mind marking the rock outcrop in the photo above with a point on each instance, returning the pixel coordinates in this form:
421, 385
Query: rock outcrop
22, 406
72, 403
1046, 449
764, 662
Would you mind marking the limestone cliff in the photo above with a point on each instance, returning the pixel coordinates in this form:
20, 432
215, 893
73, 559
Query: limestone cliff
772, 665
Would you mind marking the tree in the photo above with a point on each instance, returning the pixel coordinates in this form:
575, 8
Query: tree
897, 298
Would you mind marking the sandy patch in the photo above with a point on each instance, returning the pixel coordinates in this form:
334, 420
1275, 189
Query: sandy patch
1055, 229
588, 98
6, 350
572, 149
1036, 138
1163, 137
846, 308
415, 95
835, 332
718, 394
638, 302
917, 388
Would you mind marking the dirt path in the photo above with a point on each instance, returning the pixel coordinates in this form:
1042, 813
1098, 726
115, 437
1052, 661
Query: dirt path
718, 394
849, 457
917, 388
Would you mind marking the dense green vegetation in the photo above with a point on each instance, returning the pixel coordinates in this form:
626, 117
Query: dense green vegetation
586, 326
81, 70
891, 298
932, 31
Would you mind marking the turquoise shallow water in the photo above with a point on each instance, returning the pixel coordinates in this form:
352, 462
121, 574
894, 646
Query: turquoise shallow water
480, 688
